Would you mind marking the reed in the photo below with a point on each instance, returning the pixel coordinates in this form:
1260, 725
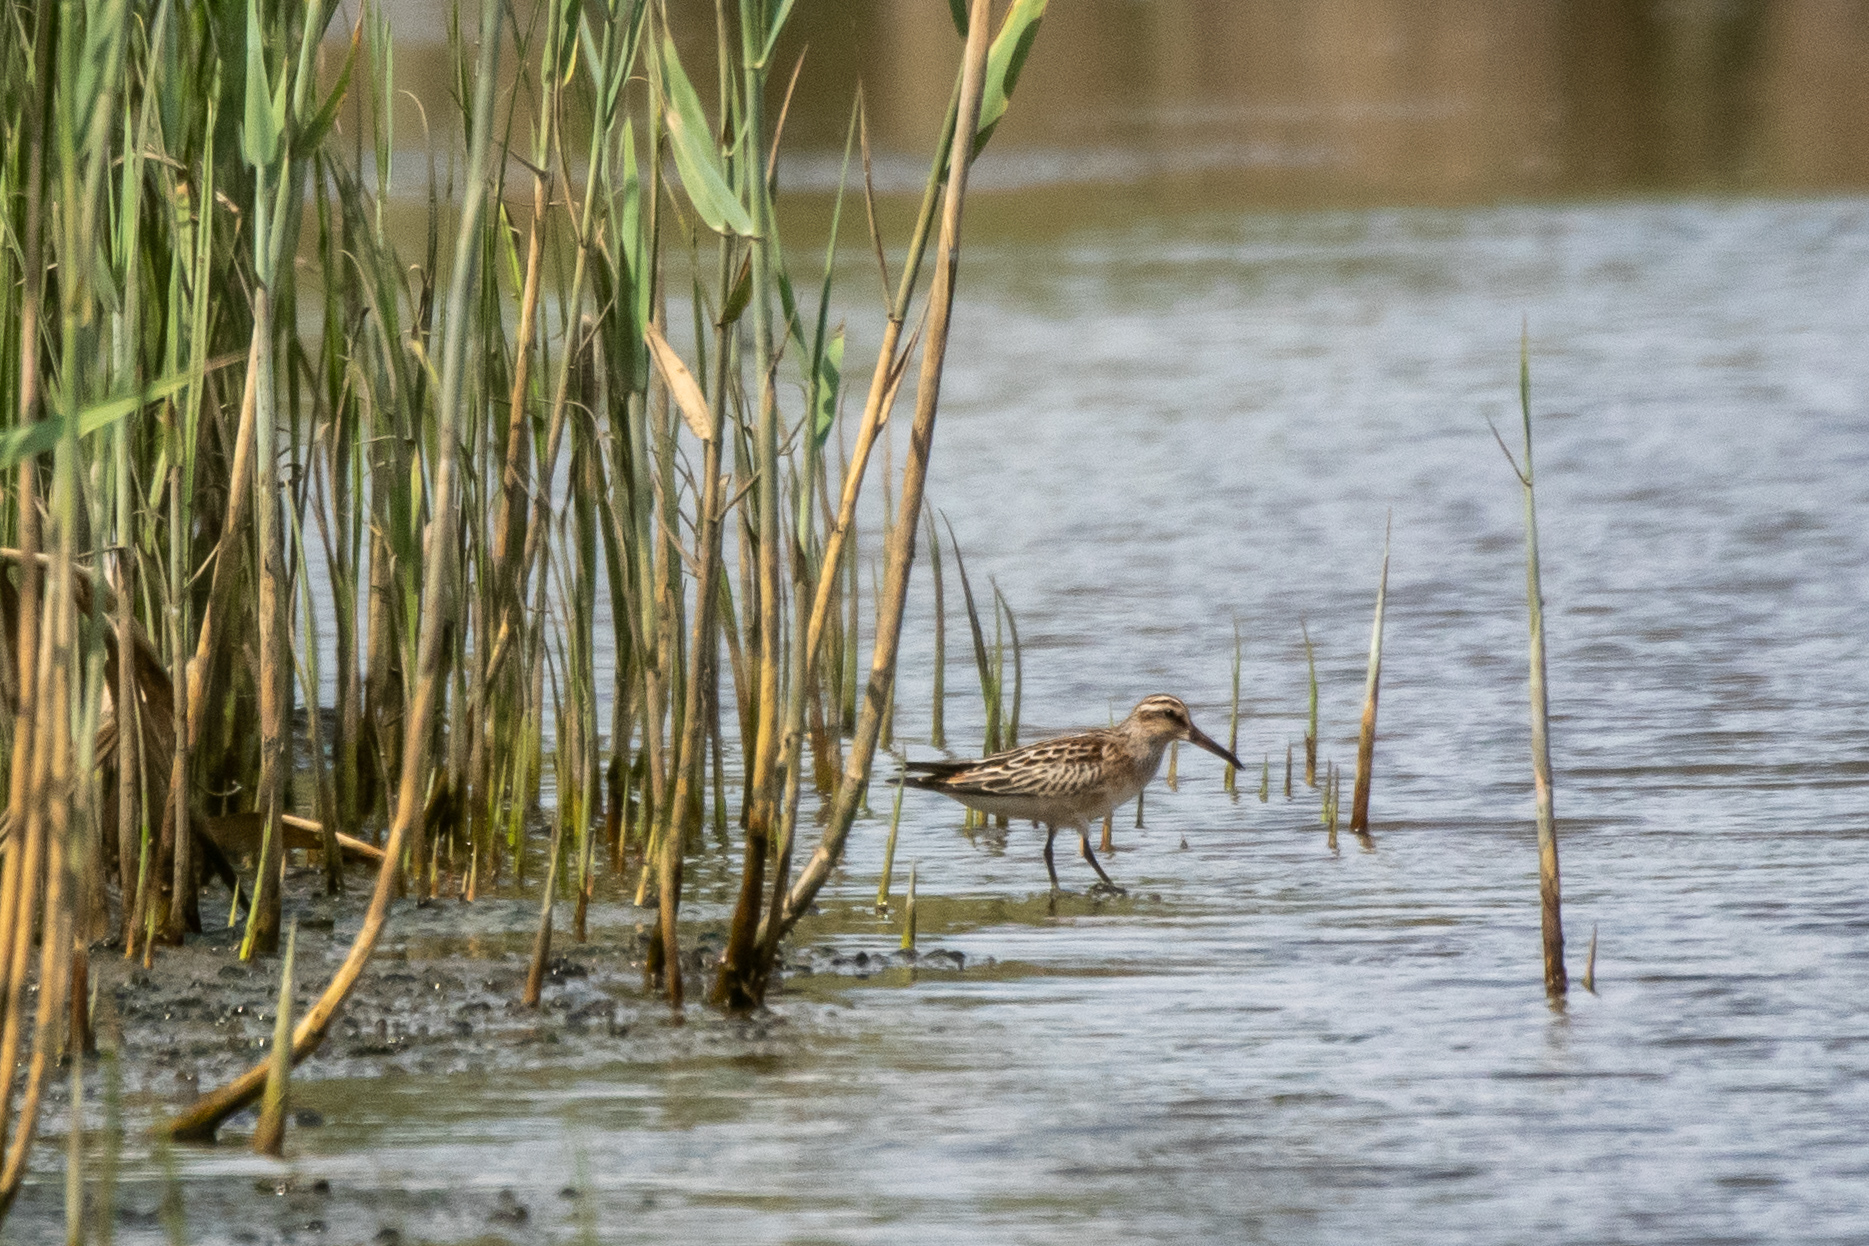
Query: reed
1018, 669
1230, 779
889, 853
937, 721
988, 76
990, 683
908, 913
1366, 737
269, 1135
479, 429
1310, 730
1550, 899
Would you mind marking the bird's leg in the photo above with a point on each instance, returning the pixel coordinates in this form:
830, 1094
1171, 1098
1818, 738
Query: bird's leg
1051, 869
1083, 844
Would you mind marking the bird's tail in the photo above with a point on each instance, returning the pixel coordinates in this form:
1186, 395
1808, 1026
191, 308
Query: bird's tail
929, 775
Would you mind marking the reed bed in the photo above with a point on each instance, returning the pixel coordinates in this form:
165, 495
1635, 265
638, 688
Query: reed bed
226, 369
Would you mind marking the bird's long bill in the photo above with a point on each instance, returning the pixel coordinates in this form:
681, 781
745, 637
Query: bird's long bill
1201, 739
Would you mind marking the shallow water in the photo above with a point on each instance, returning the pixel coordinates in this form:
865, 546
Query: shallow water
1149, 429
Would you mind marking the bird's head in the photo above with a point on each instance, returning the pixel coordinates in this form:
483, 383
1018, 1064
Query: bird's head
1161, 718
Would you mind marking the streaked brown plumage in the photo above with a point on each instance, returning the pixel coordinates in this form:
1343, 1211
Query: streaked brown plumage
1071, 780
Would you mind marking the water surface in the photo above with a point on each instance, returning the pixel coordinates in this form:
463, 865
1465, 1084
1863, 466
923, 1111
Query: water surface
1148, 430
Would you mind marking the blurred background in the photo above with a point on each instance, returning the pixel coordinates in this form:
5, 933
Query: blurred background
1293, 103
1339, 102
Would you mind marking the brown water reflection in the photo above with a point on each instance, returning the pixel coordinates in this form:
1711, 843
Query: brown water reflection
1412, 100
1340, 101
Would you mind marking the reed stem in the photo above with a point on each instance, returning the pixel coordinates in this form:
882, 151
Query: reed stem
1366, 740
1550, 900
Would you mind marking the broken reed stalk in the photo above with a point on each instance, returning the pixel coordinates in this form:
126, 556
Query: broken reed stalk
542, 936
1310, 730
1366, 740
908, 913
74, 1162
269, 1136
889, 853
1550, 899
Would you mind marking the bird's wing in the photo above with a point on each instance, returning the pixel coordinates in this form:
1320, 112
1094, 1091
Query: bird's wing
937, 767
1067, 766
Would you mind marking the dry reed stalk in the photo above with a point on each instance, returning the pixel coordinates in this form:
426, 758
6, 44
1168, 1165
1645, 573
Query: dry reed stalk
901, 545
269, 1135
885, 381
692, 743
263, 939
74, 1162
203, 1118
41, 668
763, 813
19, 874
1366, 740
1550, 894
908, 913
542, 939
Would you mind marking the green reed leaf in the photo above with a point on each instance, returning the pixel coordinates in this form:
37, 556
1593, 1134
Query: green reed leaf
697, 158
1005, 60
830, 377
322, 120
259, 129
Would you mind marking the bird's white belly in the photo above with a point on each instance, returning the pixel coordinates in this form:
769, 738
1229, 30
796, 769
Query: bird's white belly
1085, 809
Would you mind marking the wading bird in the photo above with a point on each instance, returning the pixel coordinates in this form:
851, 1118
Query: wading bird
1072, 780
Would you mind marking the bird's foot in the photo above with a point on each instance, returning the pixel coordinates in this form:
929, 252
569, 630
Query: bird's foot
1106, 888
